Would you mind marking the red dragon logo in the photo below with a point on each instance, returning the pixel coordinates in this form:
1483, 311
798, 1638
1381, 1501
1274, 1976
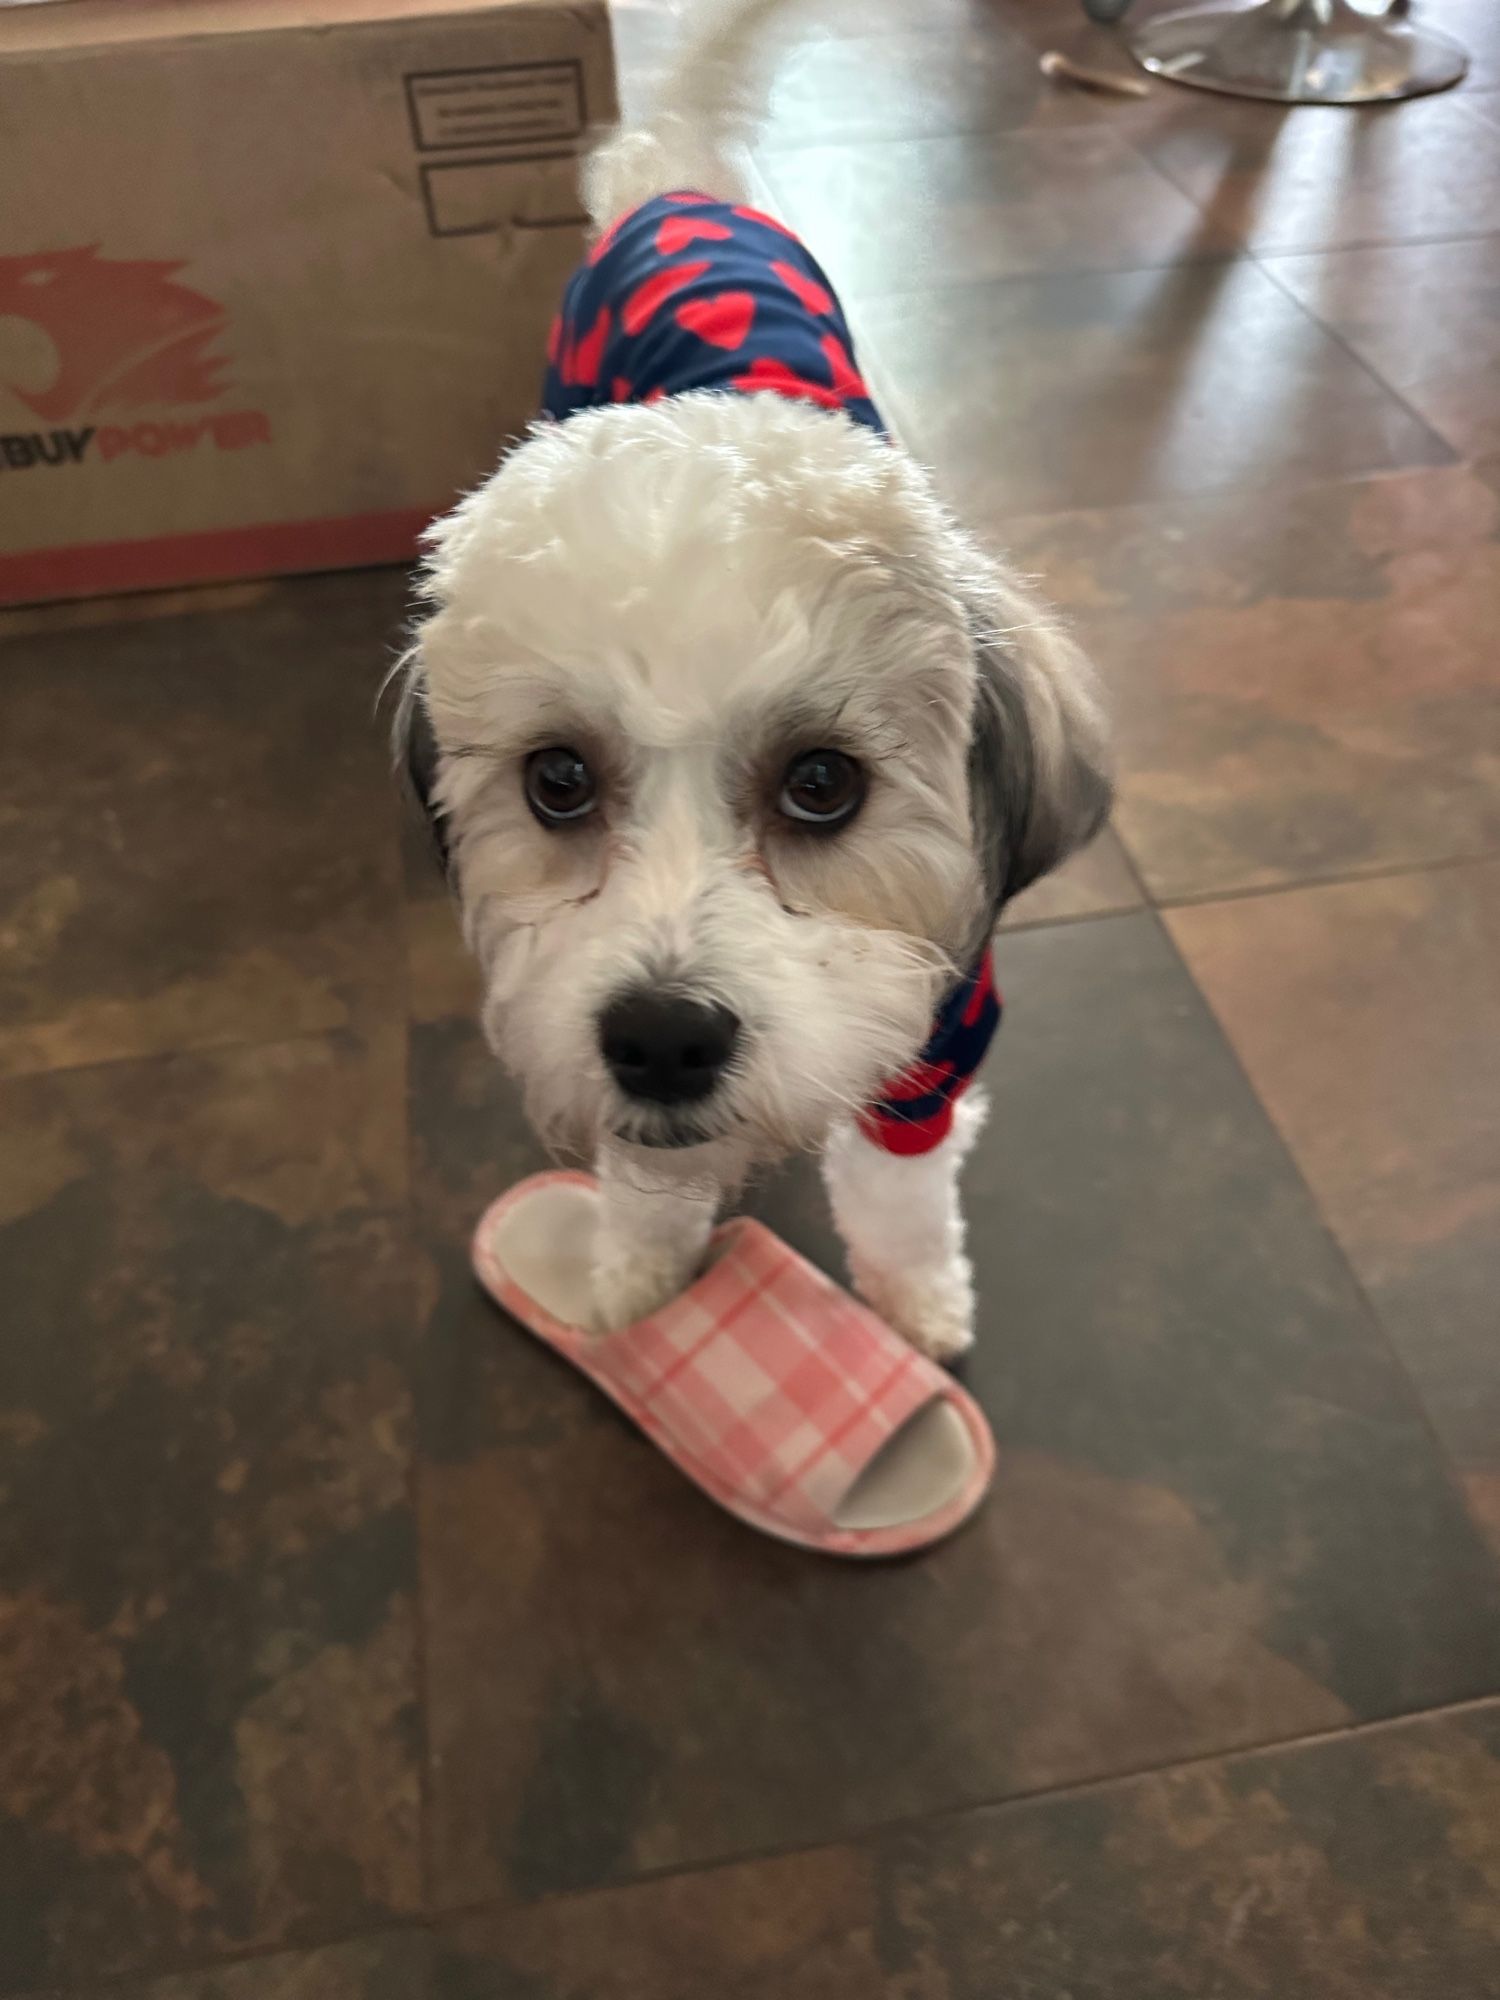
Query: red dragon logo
126, 335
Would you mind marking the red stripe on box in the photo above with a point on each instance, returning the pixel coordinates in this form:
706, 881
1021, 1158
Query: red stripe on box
213, 555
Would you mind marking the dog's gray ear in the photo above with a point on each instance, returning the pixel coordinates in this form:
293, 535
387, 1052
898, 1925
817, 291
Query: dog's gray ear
1039, 771
417, 758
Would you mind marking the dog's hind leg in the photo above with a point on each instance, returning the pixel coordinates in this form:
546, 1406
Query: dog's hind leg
902, 1225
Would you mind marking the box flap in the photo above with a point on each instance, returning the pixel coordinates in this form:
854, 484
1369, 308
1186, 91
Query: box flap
52, 26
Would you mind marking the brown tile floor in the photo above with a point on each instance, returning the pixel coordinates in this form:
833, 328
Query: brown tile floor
350, 1650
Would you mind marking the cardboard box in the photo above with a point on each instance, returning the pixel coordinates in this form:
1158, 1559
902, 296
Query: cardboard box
275, 275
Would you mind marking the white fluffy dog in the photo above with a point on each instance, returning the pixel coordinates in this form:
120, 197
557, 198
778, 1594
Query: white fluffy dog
738, 744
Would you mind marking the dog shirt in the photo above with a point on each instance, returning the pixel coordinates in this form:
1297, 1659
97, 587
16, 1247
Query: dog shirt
688, 293
916, 1112
684, 293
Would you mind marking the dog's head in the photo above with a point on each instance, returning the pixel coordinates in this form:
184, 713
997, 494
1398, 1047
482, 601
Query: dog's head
737, 746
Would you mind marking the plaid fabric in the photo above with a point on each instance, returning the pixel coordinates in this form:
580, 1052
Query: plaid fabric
770, 1386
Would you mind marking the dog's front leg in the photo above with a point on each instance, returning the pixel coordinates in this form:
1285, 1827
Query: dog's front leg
903, 1228
653, 1234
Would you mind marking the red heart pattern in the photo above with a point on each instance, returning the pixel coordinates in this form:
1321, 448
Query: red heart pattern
817, 298
765, 373
641, 306
765, 221
584, 358
847, 380
723, 321
686, 292
678, 231
607, 241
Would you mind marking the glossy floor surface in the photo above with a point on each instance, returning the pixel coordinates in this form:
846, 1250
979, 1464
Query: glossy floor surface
350, 1649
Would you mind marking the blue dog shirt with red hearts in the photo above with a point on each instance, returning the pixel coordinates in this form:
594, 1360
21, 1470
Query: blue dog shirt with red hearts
685, 293
916, 1111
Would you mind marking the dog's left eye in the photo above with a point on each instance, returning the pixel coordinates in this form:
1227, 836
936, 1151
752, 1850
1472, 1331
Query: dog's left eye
559, 786
822, 788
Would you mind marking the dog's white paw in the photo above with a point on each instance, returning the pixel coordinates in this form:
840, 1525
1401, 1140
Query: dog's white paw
933, 1309
629, 1286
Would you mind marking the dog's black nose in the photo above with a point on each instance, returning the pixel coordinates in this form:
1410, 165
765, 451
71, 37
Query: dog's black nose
666, 1047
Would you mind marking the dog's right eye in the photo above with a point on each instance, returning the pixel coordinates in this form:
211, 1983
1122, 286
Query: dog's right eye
559, 786
822, 788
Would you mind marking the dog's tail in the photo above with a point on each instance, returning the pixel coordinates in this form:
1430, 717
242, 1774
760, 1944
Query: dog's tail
696, 134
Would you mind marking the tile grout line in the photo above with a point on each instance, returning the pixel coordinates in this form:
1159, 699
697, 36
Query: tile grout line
1067, 920
1448, 457
1010, 1803
1031, 517
363, 1033
1441, 864
1259, 259
398, 1924
1446, 1461
1255, 254
1290, 252
1136, 872
413, 1482
1256, 257
421, 1676
1252, 892
1234, 247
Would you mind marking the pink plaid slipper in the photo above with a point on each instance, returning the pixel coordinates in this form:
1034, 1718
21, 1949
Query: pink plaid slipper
782, 1397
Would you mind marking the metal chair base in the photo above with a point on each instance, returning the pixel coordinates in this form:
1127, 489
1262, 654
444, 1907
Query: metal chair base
1297, 52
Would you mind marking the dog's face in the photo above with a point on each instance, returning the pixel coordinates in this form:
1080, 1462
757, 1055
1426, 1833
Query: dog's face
732, 787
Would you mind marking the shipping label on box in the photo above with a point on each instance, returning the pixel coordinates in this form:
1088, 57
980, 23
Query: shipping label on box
274, 280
